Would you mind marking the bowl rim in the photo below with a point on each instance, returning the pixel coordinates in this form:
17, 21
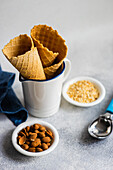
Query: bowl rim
29, 123
96, 82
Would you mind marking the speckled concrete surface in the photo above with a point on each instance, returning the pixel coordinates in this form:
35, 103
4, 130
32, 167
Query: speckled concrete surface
87, 27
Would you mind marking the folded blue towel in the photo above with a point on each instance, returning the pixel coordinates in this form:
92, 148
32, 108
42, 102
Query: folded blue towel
9, 103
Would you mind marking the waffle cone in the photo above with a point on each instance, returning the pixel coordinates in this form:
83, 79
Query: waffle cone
51, 71
51, 47
22, 54
46, 41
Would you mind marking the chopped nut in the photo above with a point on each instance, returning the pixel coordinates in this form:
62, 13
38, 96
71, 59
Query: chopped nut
83, 91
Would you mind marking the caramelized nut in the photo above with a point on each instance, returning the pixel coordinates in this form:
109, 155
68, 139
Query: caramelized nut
44, 146
25, 146
27, 142
46, 139
31, 128
27, 128
41, 134
36, 142
21, 133
18, 137
42, 128
27, 138
22, 140
49, 133
36, 131
27, 134
39, 124
36, 126
39, 145
48, 144
39, 149
30, 133
25, 131
32, 136
43, 131
31, 149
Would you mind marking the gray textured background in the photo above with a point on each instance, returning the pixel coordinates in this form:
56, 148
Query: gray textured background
87, 27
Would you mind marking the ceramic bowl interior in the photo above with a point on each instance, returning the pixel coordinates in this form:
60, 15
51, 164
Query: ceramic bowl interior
96, 83
29, 123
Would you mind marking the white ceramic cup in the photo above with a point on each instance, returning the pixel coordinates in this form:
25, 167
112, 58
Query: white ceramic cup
42, 97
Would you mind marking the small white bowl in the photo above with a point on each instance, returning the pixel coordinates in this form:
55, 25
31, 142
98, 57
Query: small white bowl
97, 84
29, 123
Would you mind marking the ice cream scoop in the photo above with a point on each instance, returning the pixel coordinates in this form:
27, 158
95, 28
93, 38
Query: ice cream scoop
102, 126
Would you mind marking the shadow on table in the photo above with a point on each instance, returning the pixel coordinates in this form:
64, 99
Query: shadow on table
86, 139
2, 117
11, 152
66, 105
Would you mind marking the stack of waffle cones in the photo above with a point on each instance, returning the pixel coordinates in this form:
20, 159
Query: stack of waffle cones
39, 57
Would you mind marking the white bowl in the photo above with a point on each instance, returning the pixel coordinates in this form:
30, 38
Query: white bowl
29, 123
97, 84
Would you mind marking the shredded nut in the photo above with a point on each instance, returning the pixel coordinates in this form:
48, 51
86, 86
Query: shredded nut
83, 91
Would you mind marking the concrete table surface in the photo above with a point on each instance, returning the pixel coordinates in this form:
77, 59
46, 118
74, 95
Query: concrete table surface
87, 27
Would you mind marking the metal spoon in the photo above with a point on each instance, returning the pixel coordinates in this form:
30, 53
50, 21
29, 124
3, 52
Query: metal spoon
102, 127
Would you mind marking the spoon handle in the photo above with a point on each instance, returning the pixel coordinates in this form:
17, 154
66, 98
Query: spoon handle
110, 107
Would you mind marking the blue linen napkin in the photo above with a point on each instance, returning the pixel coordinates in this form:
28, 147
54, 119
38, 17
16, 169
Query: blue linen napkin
9, 103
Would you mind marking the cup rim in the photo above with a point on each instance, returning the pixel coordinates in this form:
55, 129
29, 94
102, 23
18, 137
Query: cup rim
21, 79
